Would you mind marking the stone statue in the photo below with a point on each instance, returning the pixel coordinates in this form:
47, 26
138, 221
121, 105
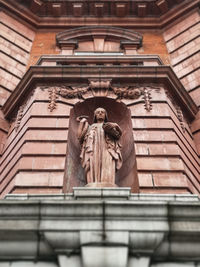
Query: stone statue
100, 149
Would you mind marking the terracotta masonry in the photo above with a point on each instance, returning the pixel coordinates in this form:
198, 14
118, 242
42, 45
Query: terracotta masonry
99, 133
49, 71
183, 42
15, 45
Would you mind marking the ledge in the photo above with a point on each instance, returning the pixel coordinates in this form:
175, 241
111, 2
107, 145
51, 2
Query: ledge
121, 193
58, 19
44, 226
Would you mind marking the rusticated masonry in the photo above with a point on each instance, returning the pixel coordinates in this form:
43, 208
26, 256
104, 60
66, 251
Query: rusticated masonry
15, 45
183, 44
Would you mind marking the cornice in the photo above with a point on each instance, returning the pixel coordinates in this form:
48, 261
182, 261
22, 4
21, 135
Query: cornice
131, 21
48, 75
56, 225
95, 59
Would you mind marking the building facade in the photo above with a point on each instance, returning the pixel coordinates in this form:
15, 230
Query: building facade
140, 61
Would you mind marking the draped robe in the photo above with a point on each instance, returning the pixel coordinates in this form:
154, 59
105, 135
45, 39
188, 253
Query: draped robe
100, 155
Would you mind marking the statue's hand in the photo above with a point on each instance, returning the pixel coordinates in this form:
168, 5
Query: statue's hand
82, 118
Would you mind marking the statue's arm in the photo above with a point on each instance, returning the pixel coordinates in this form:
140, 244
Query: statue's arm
82, 129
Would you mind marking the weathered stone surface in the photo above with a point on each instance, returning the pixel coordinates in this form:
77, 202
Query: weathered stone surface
102, 231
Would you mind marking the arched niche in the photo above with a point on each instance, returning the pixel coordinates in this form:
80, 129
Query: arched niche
117, 112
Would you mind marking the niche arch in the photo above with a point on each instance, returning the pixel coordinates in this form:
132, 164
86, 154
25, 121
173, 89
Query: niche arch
117, 112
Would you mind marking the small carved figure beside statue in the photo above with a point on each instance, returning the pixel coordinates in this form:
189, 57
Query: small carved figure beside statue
100, 149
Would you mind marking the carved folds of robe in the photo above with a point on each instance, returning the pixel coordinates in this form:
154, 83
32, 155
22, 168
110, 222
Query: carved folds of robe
100, 155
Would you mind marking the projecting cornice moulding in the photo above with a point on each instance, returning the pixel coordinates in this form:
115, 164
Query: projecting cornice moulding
61, 75
136, 15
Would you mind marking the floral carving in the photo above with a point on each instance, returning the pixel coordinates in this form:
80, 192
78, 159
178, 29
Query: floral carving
100, 88
53, 95
73, 92
147, 99
127, 92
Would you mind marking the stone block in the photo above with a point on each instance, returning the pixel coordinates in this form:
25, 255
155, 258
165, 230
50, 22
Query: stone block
173, 264
138, 262
37, 190
104, 256
98, 193
158, 163
14, 37
72, 260
170, 180
38, 179
164, 197
195, 96
19, 27
145, 179
150, 135
182, 26
4, 264
38, 148
146, 242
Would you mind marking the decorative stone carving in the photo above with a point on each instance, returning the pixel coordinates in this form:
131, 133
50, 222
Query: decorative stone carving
52, 98
127, 92
178, 111
100, 149
73, 92
19, 117
21, 110
180, 117
147, 99
100, 88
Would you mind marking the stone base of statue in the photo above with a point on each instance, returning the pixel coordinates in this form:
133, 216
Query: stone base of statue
100, 185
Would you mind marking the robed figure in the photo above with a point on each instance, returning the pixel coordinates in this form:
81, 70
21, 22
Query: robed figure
100, 149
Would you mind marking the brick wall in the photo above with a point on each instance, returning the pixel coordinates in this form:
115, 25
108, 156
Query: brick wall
154, 44
45, 44
15, 45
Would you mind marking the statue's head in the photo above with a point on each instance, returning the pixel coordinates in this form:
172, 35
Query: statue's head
100, 113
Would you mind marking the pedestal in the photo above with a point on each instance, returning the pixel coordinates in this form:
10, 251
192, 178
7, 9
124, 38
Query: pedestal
117, 193
101, 185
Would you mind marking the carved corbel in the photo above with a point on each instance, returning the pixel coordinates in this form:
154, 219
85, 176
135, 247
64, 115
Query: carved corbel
100, 87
